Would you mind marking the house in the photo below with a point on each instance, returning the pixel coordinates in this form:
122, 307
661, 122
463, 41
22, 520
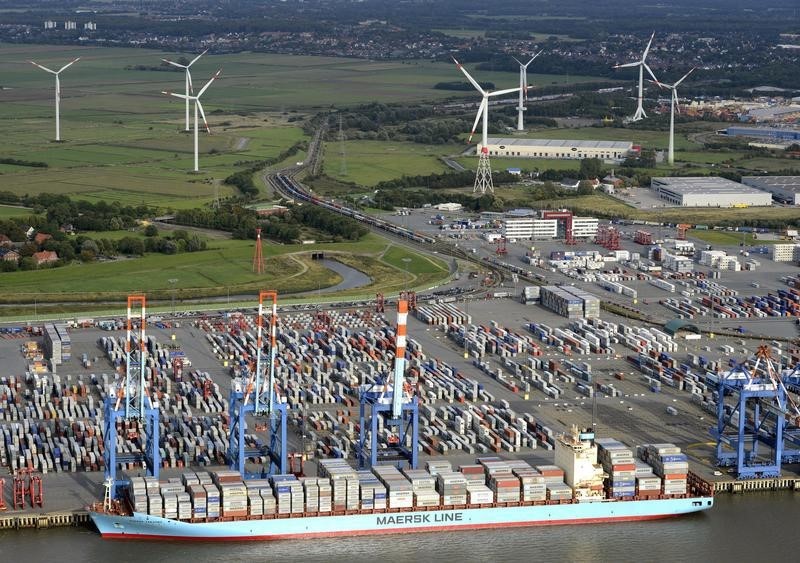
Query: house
514, 171
45, 257
40, 238
8, 255
5, 241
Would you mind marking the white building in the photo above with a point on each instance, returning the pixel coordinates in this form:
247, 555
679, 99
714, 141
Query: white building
785, 189
700, 191
70, 25
784, 252
452, 207
584, 227
556, 148
50, 24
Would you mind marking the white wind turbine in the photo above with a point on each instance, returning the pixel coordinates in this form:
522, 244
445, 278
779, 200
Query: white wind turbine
642, 65
58, 91
483, 176
673, 107
197, 106
189, 88
523, 90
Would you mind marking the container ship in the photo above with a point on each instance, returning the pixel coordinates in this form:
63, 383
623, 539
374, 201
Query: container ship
592, 481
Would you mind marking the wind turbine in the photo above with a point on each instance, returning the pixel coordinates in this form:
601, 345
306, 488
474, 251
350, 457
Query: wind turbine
523, 89
483, 175
189, 88
197, 106
58, 91
642, 65
673, 107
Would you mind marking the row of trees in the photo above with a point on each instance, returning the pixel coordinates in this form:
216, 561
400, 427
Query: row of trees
85, 249
243, 179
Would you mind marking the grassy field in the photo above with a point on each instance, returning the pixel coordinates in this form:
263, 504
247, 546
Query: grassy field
8, 211
225, 268
370, 162
727, 238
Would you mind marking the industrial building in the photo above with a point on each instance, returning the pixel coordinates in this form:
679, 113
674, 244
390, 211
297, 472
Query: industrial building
556, 148
712, 191
584, 227
785, 189
530, 228
766, 133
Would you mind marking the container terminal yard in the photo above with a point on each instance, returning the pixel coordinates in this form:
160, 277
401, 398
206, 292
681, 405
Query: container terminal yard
492, 377
692, 364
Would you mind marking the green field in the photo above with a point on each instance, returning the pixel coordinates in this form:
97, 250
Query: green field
728, 238
8, 211
370, 162
225, 268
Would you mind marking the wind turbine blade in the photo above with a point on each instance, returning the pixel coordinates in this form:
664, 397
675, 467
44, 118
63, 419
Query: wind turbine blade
203, 114
194, 60
650, 72
518, 61
533, 58
647, 49
501, 92
189, 76
182, 96
684, 77
213, 78
675, 100
69, 64
43, 67
472, 80
481, 108
629, 65
173, 63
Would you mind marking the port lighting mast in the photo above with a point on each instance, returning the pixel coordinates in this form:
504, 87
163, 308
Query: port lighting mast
258, 396
129, 401
763, 416
392, 402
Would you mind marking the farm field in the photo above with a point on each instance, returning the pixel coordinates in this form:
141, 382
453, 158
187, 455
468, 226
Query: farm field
370, 162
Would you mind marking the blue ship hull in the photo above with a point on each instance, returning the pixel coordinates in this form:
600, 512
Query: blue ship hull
143, 526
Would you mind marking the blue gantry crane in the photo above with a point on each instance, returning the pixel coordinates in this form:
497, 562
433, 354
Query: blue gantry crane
130, 401
761, 429
394, 403
257, 396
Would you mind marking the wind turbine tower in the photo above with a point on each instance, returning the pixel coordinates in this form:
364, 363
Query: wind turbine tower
483, 175
523, 91
673, 107
197, 106
189, 87
641, 65
58, 90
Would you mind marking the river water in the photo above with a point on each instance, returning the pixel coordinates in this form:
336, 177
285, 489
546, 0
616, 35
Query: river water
755, 526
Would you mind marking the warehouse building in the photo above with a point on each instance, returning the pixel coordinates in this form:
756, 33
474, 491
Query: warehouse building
555, 148
765, 133
713, 191
785, 189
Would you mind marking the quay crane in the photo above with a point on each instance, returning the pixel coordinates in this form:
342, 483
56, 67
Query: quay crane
392, 401
765, 413
257, 395
130, 401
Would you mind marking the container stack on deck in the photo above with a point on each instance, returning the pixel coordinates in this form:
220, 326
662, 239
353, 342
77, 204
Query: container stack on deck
669, 464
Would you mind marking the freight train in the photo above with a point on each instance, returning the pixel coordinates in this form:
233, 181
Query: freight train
290, 187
